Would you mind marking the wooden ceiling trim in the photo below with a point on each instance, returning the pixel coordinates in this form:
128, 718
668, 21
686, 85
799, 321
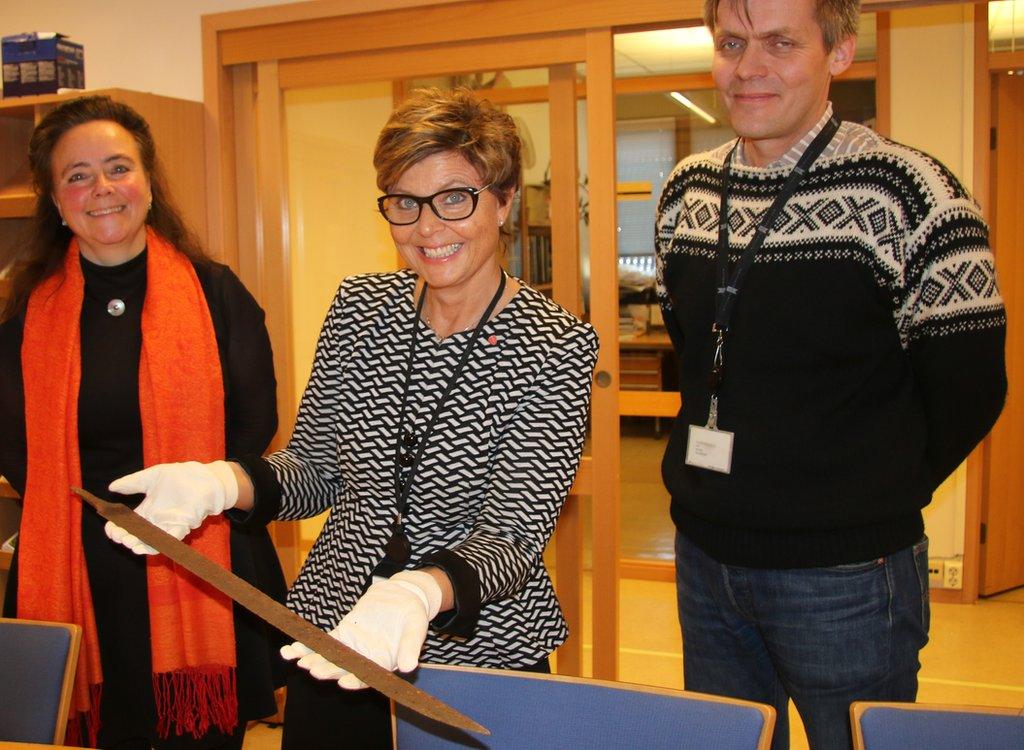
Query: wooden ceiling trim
437, 24
309, 11
330, 27
998, 61
459, 57
317, 10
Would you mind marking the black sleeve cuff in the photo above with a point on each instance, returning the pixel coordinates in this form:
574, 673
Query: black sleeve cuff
266, 493
460, 621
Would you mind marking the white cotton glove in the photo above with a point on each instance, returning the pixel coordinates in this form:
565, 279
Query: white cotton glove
388, 625
178, 498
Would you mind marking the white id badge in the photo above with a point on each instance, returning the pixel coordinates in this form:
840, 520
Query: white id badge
709, 449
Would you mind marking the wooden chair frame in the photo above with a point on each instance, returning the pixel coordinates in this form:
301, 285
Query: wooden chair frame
859, 708
70, 667
767, 712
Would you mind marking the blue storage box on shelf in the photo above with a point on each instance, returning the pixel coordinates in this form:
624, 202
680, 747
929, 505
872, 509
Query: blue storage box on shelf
41, 63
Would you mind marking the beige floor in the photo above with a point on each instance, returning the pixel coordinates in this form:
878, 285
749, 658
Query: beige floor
976, 653
975, 656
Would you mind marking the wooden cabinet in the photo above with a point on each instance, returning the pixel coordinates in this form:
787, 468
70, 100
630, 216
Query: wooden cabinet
643, 361
640, 370
177, 127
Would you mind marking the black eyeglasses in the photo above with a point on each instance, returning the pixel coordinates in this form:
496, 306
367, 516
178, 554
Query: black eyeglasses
452, 204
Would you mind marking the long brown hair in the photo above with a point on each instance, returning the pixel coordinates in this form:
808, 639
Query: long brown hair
42, 254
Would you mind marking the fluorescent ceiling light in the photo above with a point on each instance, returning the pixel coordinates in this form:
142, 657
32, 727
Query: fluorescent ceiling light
702, 114
1006, 22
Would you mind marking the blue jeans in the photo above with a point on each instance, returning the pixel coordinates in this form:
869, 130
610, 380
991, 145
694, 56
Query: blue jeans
824, 637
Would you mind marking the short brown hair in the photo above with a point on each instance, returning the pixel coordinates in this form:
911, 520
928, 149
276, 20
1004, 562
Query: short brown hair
433, 121
837, 19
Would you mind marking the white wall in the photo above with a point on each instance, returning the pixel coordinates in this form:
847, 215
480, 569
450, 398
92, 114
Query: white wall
933, 84
933, 110
334, 225
144, 45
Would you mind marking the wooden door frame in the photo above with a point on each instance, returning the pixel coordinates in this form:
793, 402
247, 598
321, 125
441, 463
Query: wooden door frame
249, 55
978, 468
252, 158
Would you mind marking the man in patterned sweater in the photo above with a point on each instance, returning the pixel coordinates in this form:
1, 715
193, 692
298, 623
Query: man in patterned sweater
830, 380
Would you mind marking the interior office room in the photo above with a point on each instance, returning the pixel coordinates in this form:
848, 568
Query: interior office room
270, 111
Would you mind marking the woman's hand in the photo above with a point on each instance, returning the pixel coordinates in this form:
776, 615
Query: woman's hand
178, 498
388, 625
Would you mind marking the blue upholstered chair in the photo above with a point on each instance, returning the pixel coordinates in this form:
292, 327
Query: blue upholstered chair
898, 726
544, 711
37, 672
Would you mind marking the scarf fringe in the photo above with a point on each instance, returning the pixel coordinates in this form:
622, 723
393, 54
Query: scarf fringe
194, 699
88, 720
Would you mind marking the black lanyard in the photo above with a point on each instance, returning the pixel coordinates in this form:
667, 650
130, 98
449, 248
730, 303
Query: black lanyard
729, 289
405, 443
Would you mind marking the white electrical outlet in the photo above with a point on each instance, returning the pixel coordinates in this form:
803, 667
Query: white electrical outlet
953, 577
936, 572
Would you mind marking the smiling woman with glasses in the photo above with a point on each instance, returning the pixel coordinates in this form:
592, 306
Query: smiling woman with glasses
442, 427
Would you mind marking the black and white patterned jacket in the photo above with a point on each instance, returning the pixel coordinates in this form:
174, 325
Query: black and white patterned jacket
493, 477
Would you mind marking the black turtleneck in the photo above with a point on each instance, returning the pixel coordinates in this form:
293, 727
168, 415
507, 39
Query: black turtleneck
109, 426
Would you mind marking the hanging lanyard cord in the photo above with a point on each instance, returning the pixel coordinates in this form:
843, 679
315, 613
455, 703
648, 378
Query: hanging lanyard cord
729, 289
402, 489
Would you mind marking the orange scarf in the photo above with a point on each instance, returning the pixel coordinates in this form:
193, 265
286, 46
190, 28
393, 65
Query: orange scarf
181, 404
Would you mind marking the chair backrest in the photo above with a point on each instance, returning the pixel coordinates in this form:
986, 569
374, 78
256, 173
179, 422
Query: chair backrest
544, 711
37, 671
897, 726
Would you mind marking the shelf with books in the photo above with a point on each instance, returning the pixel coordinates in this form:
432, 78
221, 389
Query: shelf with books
530, 254
537, 256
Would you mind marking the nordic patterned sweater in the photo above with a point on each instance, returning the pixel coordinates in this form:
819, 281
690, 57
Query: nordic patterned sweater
864, 359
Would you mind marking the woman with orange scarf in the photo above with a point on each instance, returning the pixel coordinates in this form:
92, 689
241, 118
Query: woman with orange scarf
123, 345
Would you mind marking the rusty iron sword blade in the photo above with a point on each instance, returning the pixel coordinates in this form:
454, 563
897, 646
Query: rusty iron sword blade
280, 616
